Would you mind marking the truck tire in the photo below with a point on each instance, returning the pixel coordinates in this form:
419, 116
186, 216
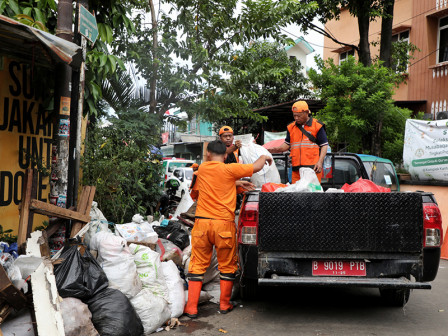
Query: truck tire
395, 297
249, 288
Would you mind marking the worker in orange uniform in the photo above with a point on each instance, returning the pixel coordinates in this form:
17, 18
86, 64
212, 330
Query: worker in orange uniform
215, 224
307, 139
233, 149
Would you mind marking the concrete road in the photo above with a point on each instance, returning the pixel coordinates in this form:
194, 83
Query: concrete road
329, 311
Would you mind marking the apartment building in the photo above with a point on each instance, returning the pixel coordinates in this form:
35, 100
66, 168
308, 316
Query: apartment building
421, 22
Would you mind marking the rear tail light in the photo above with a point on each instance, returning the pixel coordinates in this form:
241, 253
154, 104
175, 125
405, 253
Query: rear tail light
249, 224
432, 225
166, 177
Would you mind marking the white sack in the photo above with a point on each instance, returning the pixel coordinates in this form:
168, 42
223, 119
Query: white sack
152, 310
185, 203
77, 318
97, 223
308, 183
149, 270
250, 152
137, 231
117, 262
203, 297
175, 286
212, 272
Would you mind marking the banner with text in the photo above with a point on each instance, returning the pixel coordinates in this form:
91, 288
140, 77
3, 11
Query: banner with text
425, 153
25, 136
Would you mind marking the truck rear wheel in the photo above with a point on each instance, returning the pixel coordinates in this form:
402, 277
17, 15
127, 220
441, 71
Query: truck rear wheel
248, 288
395, 297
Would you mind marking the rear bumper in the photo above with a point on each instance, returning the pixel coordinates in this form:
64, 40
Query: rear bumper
342, 282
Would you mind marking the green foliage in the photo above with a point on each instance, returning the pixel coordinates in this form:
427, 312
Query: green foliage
40, 14
194, 62
118, 161
6, 236
359, 108
266, 76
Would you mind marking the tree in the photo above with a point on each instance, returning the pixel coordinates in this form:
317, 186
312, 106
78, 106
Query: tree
359, 108
198, 44
267, 77
118, 160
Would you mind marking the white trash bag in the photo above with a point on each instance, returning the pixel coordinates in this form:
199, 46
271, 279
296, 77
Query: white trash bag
149, 270
250, 152
117, 262
77, 318
137, 231
185, 203
97, 223
308, 183
152, 310
175, 286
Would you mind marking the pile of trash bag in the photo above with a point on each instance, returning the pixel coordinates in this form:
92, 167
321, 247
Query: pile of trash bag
127, 282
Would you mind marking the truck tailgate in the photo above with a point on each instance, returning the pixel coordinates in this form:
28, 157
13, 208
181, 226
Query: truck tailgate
340, 222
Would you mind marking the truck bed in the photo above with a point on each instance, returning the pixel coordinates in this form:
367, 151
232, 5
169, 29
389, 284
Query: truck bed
339, 222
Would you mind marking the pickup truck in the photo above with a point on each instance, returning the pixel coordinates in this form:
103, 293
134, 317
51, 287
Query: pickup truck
389, 241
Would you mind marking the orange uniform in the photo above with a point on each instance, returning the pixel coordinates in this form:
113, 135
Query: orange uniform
304, 152
215, 218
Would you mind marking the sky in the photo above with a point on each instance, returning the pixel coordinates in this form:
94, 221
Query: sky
316, 41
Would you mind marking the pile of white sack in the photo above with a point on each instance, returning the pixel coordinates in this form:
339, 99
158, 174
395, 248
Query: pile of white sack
155, 287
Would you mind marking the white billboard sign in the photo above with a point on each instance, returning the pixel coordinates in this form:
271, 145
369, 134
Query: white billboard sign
425, 153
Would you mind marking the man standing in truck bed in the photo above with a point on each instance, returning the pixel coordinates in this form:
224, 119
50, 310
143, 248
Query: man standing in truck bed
307, 139
215, 224
233, 149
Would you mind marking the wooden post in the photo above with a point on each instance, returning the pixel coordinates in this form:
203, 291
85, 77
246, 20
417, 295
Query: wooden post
25, 215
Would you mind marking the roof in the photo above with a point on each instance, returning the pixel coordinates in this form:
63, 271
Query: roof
37, 46
303, 44
373, 158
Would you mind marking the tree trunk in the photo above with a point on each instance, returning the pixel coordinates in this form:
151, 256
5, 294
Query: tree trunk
364, 46
153, 84
376, 139
386, 32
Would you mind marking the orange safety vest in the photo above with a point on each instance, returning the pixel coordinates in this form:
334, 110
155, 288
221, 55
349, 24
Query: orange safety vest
236, 153
304, 152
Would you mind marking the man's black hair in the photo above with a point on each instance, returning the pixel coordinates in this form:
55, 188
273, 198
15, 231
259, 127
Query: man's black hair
217, 147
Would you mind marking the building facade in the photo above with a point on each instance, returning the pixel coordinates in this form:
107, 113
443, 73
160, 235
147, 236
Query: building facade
421, 22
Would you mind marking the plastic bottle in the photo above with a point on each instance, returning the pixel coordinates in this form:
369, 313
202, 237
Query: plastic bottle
327, 160
327, 164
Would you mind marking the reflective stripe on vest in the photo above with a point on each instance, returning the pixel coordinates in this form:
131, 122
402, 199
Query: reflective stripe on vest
304, 152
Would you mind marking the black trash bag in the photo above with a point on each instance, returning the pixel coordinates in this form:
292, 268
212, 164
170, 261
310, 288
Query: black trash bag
79, 276
113, 314
174, 233
164, 231
179, 237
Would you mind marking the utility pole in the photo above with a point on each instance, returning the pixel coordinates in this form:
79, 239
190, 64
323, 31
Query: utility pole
61, 136
76, 114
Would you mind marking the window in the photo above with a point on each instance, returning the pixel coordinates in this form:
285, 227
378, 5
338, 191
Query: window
402, 37
343, 56
443, 40
383, 174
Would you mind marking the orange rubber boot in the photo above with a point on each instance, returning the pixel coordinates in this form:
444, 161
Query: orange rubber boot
194, 291
226, 293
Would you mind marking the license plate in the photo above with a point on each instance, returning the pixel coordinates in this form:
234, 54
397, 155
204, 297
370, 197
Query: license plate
339, 268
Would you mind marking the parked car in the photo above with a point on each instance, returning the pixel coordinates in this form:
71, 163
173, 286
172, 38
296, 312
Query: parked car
381, 171
170, 165
184, 176
391, 241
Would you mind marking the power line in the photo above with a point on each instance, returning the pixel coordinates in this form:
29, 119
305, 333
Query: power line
314, 44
